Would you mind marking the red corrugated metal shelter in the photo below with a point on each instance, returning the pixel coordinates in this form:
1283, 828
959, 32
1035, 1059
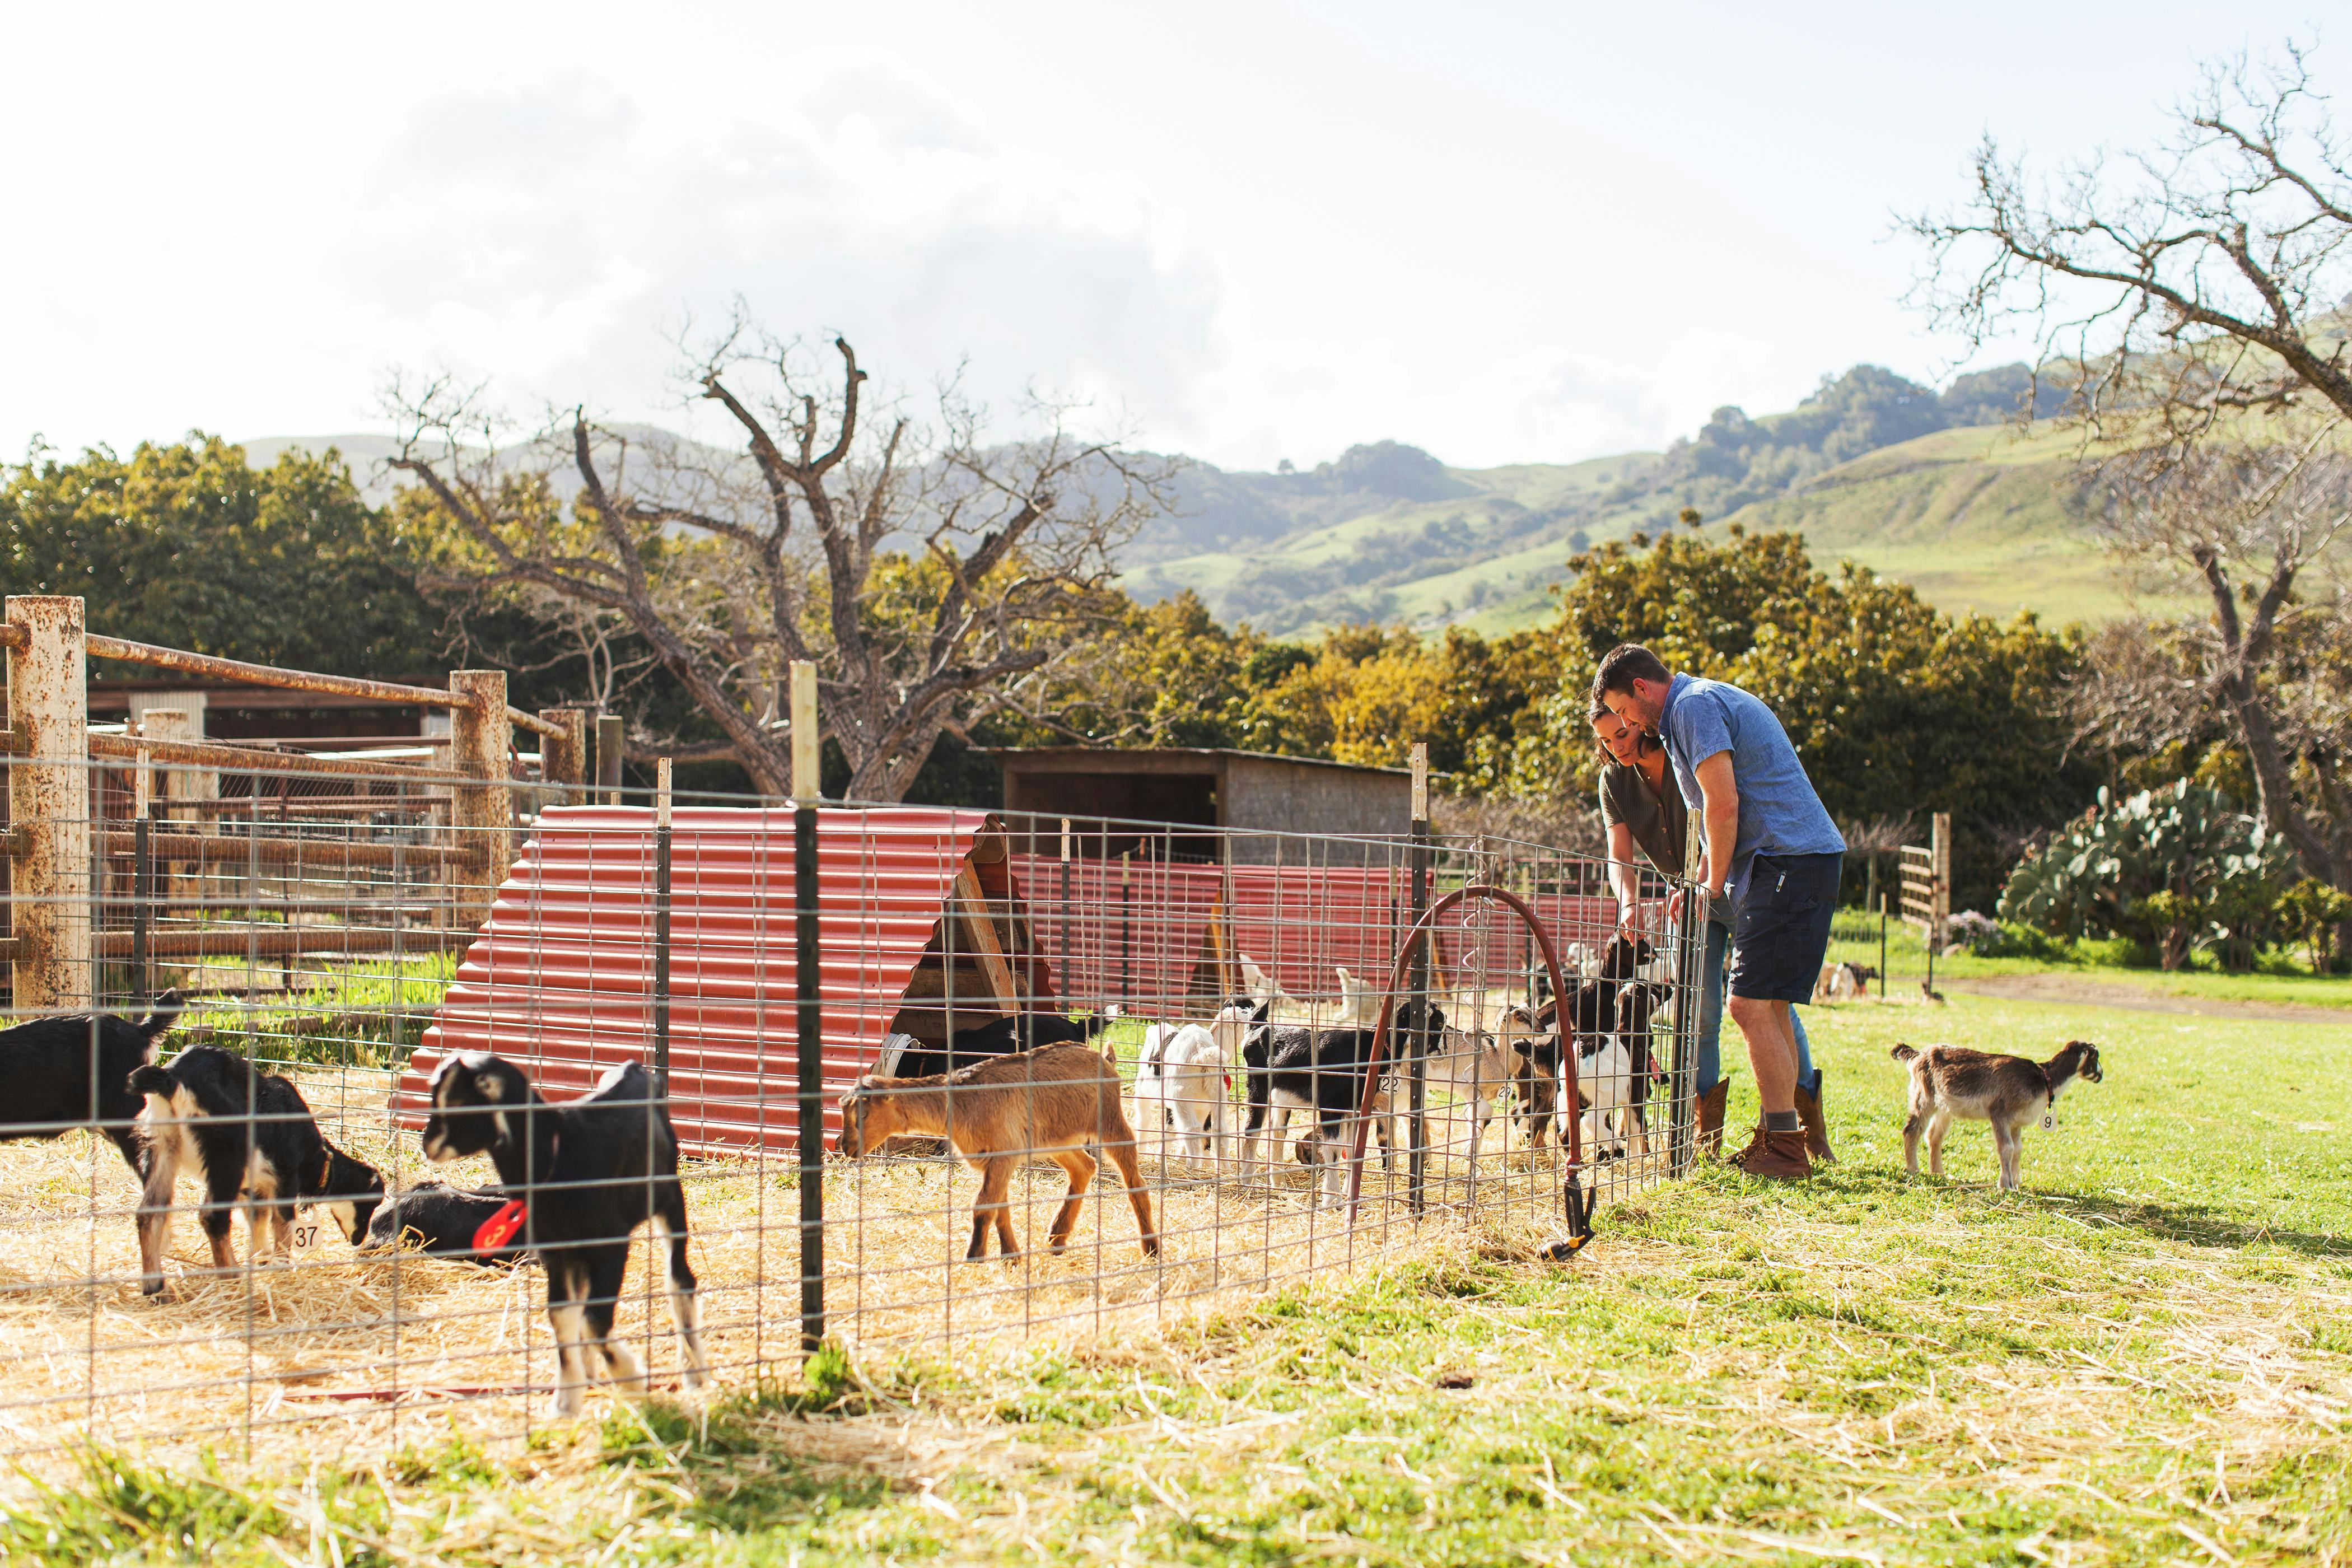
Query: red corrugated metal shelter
1300, 922
1127, 931
1144, 943
561, 978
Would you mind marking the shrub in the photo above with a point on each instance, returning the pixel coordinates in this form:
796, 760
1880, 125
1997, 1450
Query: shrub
1979, 933
2172, 867
2311, 912
1987, 938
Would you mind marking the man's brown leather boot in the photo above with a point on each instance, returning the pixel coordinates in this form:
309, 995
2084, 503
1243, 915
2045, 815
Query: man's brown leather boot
1817, 1126
1780, 1155
1711, 1106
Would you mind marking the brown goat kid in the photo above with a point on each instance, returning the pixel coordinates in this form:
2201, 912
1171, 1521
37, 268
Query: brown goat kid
1054, 1102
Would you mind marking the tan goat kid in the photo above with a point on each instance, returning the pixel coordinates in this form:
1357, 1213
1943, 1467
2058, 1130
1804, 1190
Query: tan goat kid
1054, 1102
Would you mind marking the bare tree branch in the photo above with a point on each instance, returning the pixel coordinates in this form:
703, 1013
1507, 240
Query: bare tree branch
939, 572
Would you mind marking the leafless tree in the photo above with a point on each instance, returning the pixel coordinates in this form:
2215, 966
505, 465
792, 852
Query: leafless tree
2194, 296
2256, 529
932, 575
1562, 824
2206, 275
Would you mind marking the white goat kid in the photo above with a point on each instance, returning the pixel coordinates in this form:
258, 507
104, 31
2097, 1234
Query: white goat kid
1475, 1067
1195, 1081
1359, 1003
1604, 1082
1183, 1082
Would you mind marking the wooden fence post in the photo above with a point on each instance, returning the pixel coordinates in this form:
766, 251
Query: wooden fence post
481, 740
181, 787
49, 798
563, 760
612, 742
1940, 847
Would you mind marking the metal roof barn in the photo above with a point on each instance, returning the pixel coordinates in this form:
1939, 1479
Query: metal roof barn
559, 979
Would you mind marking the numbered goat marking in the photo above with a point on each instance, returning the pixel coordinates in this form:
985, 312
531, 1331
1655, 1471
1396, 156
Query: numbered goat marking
306, 1235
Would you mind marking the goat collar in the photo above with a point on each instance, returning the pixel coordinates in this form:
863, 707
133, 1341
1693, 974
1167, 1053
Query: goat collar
495, 1232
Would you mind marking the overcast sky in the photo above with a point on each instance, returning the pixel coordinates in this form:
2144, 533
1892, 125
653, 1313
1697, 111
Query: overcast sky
1248, 232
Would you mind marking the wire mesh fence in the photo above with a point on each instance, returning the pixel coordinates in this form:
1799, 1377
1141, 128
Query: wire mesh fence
656, 1092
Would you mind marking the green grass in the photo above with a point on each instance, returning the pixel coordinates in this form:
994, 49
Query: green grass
364, 1014
2281, 975
2141, 1358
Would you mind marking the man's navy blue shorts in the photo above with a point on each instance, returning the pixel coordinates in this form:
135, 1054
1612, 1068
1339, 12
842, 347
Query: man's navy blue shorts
1781, 927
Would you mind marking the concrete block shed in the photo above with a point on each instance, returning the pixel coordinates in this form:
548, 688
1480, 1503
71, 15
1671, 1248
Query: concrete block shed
1251, 794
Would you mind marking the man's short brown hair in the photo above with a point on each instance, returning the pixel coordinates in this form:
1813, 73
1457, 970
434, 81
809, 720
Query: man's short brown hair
1627, 663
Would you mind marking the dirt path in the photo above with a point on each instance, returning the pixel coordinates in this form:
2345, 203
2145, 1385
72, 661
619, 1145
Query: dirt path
2138, 998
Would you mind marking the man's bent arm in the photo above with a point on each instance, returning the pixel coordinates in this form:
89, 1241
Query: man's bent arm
1719, 793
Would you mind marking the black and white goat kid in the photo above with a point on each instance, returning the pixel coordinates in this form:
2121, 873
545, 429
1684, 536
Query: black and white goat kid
249, 1137
588, 1173
76, 1072
1322, 1072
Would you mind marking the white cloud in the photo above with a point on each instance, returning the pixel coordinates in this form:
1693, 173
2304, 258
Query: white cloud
551, 236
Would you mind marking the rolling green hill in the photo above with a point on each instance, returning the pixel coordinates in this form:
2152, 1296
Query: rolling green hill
1983, 519
1929, 487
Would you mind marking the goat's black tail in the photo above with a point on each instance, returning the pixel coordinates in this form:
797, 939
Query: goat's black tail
153, 1080
163, 1015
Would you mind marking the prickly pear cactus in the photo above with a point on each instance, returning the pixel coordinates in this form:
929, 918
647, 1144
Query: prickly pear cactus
2172, 867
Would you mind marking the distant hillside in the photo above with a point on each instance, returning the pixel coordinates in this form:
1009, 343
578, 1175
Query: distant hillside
1930, 486
1983, 519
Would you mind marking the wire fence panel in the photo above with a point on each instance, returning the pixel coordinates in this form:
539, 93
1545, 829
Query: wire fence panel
338, 1152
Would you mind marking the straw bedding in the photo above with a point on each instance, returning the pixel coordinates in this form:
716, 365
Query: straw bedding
344, 1353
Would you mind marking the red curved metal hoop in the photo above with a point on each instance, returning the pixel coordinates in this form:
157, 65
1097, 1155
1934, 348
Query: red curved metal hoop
1388, 1005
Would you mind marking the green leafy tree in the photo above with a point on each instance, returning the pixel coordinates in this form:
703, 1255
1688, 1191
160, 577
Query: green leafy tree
186, 545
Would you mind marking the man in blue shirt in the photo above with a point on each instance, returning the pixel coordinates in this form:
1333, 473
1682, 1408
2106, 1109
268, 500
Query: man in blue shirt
1772, 854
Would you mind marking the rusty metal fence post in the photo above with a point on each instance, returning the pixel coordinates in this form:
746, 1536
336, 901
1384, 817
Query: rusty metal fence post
481, 737
563, 758
49, 791
809, 984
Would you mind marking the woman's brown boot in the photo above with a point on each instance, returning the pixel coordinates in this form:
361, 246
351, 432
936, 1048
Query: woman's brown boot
1817, 1126
1711, 1106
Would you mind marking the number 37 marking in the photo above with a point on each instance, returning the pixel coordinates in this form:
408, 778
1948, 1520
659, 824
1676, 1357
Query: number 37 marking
306, 1235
